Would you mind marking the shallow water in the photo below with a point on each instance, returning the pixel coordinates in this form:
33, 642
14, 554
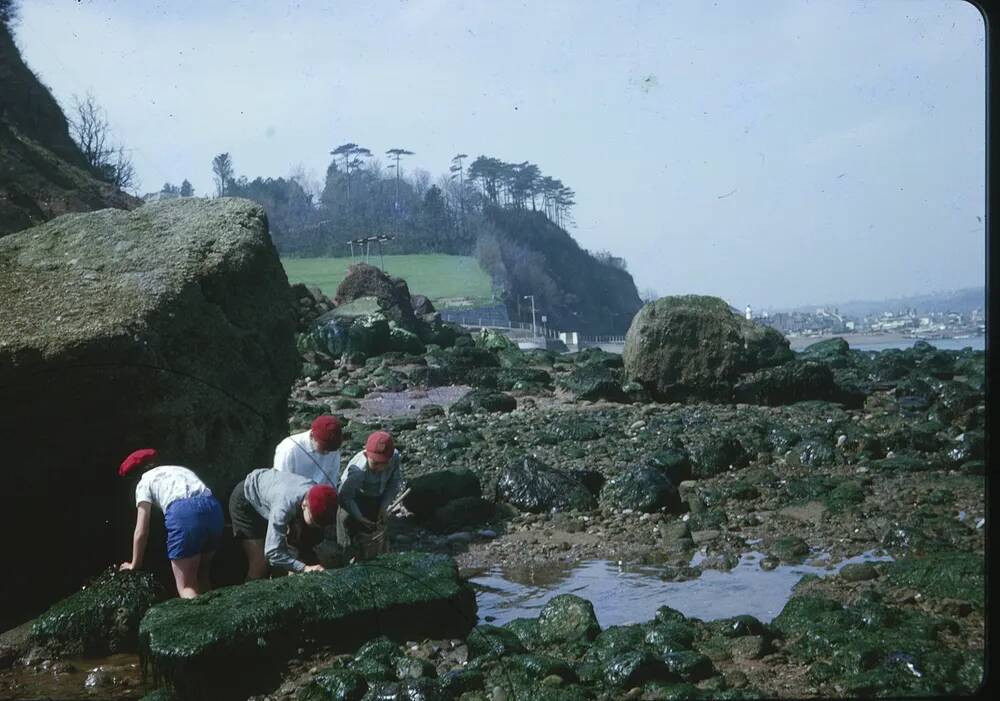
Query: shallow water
115, 678
631, 594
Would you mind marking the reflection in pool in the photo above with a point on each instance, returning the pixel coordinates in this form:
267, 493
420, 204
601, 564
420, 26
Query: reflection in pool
632, 593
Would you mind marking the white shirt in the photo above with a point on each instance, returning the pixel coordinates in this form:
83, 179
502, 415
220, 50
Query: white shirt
165, 484
295, 454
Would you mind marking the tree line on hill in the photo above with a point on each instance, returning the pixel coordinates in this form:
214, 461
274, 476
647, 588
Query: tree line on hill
510, 216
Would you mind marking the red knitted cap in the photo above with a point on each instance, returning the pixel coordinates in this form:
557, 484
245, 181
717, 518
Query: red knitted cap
139, 458
322, 501
326, 432
380, 446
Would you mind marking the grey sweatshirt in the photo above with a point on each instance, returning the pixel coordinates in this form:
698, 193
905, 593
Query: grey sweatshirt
358, 479
277, 496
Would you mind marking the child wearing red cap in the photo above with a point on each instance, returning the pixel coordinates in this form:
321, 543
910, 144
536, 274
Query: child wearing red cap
314, 454
368, 485
193, 518
270, 507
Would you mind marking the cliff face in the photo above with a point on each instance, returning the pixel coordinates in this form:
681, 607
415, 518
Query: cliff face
574, 290
42, 172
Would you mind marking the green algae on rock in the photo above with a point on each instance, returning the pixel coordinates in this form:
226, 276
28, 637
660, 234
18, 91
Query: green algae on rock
194, 644
567, 618
100, 619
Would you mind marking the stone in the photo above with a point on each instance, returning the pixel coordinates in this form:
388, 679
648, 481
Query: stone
531, 485
641, 488
567, 618
170, 326
433, 490
483, 401
592, 382
464, 512
788, 549
101, 619
694, 346
222, 643
334, 684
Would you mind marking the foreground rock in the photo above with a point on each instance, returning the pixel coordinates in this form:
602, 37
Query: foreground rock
533, 486
694, 346
101, 619
170, 326
231, 641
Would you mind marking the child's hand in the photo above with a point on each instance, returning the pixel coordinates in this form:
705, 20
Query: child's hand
314, 568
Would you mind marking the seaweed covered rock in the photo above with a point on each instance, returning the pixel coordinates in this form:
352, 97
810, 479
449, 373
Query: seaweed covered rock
641, 488
797, 381
486, 639
392, 293
832, 352
531, 485
566, 619
100, 619
695, 347
335, 684
593, 381
225, 643
170, 326
435, 489
464, 512
484, 401
902, 653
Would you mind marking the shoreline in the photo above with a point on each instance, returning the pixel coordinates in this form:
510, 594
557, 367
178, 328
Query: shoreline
855, 339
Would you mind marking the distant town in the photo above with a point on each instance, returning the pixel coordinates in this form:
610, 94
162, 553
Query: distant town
903, 322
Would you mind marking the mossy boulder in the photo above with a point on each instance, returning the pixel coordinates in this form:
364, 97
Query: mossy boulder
531, 485
464, 512
435, 489
796, 381
171, 326
100, 619
891, 652
641, 488
228, 642
487, 401
566, 619
486, 639
593, 381
695, 347
334, 684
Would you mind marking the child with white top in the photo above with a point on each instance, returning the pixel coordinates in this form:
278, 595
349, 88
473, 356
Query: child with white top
193, 518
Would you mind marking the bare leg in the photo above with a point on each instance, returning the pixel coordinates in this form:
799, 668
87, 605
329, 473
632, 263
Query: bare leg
254, 550
204, 568
186, 576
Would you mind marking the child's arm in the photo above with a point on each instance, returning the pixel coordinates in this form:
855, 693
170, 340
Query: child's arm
140, 536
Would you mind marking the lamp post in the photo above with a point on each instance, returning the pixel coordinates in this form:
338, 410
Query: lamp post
532, 298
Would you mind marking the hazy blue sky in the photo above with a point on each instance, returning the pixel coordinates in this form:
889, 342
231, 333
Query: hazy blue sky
769, 152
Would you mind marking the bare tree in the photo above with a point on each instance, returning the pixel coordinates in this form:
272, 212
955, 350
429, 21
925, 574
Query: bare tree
90, 129
222, 167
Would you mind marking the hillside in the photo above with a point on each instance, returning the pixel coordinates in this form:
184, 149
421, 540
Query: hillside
528, 254
445, 279
42, 172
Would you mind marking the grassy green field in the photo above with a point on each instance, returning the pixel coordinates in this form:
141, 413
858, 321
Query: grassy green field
449, 281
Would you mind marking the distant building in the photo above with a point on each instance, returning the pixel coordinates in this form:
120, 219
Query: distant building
749, 314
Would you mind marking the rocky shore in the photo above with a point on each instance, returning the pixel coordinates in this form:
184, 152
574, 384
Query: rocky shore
708, 439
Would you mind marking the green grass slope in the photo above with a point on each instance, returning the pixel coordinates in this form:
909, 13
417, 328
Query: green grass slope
449, 281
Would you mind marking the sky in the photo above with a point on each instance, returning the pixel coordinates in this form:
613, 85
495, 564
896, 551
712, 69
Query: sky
774, 153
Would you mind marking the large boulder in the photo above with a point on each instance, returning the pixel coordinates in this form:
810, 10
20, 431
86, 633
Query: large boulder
392, 293
694, 346
171, 326
228, 643
531, 485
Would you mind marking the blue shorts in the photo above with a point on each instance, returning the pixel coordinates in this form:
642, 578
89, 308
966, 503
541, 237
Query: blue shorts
194, 526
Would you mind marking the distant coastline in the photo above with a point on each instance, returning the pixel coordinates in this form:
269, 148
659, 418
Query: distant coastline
798, 343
